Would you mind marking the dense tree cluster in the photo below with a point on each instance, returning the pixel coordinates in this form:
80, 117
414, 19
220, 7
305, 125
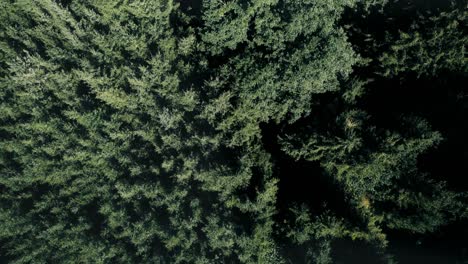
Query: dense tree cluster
229, 131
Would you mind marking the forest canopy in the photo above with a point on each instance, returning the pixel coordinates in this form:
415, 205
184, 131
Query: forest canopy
233, 131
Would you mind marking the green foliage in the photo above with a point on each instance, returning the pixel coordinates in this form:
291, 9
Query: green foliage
134, 131
439, 46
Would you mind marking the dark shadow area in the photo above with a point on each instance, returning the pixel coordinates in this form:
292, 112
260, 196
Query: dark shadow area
347, 251
300, 181
442, 101
3, 257
396, 15
191, 7
447, 245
